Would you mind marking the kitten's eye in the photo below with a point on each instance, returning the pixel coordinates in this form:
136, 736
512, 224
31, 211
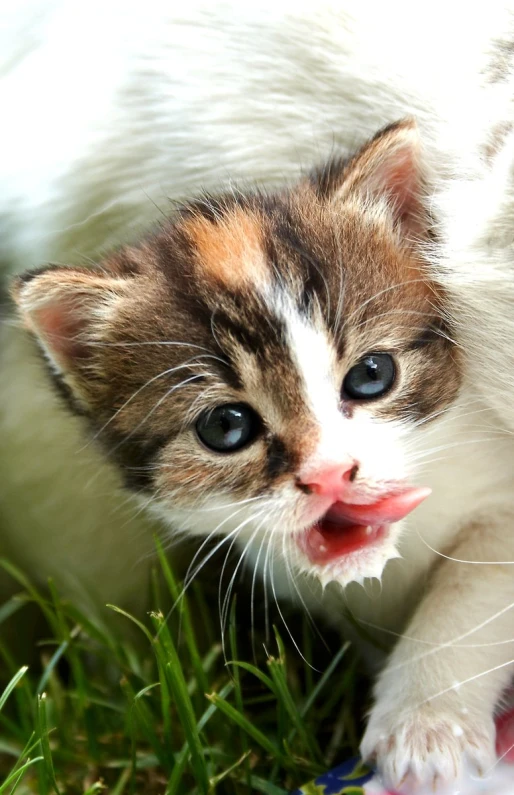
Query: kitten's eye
370, 378
228, 428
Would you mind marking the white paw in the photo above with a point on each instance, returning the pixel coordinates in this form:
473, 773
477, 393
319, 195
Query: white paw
428, 747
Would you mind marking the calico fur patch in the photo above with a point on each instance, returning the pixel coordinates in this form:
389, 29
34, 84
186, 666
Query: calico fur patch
202, 312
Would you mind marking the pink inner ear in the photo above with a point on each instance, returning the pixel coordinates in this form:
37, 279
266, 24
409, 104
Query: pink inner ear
390, 167
60, 327
398, 177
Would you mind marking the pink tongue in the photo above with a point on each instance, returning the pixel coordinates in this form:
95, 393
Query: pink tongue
347, 528
390, 509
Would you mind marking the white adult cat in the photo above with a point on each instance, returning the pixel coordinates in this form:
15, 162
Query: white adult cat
108, 110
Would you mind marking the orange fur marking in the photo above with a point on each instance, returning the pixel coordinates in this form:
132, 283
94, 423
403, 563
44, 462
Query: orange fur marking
230, 250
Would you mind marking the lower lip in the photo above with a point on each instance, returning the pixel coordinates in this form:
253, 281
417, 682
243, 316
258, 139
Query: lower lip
326, 542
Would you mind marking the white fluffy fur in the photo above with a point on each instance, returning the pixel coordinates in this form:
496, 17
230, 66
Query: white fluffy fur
108, 109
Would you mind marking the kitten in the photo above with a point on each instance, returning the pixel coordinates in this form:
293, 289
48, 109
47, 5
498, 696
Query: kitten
281, 370
162, 100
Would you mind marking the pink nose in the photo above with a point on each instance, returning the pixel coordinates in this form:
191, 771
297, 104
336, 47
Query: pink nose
329, 481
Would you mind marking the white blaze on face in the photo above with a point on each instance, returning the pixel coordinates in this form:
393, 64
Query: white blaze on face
315, 360
374, 444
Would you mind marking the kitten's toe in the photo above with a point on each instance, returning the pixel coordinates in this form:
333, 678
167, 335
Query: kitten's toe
428, 749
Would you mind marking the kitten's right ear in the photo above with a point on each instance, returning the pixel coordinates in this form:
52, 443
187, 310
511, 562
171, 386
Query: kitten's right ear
388, 168
70, 311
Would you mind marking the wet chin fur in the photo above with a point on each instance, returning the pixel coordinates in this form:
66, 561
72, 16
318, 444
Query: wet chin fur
366, 562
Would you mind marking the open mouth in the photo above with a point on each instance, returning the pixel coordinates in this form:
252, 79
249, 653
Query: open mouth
347, 528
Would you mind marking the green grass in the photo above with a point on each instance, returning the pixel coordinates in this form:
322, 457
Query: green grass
170, 711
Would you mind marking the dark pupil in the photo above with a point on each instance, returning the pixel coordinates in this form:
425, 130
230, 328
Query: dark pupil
227, 428
372, 370
370, 378
225, 425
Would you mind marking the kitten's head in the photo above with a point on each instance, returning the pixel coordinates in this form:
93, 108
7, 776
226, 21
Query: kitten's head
257, 367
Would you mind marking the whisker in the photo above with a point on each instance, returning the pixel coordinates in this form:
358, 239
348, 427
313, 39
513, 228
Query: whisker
154, 409
284, 622
342, 286
224, 608
141, 388
458, 560
451, 445
464, 682
497, 762
436, 646
230, 504
189, 577
292, 579
148, 342
377, 295
252, 591
440, 412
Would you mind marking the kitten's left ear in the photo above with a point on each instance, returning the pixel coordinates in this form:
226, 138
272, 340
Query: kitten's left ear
389, 167
70, 312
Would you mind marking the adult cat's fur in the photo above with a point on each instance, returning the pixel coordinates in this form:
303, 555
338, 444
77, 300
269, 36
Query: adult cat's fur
105, 119
107, 108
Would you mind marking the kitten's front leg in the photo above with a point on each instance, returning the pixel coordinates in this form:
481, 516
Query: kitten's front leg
436, 697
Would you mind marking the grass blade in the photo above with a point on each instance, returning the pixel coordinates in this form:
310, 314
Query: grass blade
169, 659
252, 669
215, 780
277, 670
122, 782
238, 693
45, 742
181, 602
34, 594
12, 684
261, 785
135, 621
96, 789
140, 715
248, 727
324, 678
183, 757
17, 775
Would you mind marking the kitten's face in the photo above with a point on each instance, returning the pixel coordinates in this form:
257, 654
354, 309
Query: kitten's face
259, 366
